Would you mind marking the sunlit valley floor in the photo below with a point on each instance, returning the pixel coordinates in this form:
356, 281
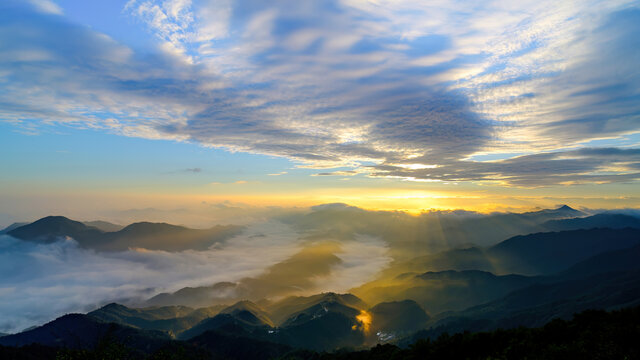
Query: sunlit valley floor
326, 282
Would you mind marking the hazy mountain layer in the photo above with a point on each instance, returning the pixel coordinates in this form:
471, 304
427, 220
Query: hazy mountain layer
612, 221
546, 253
104, 225
152, 236
525, 280
604, 281
240, 317
440, 289
172, 319
12, 226
410, 236
538, 304
392, 319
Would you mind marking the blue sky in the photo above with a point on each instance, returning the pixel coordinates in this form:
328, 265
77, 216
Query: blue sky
534, 98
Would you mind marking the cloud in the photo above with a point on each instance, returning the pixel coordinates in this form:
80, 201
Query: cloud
347, 83
296, 274
195, 170
46, 6
320, 266
338, 173
587, 165
44, 281
203, 215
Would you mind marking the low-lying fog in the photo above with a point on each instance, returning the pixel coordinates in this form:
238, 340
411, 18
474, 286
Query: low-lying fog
40, 282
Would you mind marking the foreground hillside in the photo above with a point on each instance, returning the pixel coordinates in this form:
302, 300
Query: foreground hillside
589, 335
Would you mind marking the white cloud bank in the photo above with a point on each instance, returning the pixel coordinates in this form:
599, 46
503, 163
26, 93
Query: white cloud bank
40, 282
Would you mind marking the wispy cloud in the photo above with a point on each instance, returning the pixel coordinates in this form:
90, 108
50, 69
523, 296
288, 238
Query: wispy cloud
587, 165
348, 83
46, 6
338, 173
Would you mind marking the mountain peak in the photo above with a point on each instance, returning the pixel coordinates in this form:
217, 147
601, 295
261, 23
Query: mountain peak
561, 211
15, 225
56, 219
567, 210
113, 305
51, 227
146, 227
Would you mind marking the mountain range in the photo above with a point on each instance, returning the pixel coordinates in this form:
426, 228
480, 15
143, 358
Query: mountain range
329, 321
569, 264
429, 231
103, 236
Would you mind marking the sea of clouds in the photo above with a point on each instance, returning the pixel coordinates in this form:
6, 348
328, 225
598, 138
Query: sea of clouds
40, 282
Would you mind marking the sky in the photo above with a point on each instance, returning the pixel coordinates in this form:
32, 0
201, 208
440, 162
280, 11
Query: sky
224, 110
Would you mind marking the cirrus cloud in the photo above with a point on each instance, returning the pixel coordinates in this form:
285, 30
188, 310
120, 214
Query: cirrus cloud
349, 83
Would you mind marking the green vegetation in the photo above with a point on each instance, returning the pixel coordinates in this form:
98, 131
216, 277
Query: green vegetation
593, 334
590, 335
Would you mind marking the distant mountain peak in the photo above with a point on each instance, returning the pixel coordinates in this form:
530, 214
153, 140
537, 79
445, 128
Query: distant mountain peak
50, 228
243, 308
568, 209
97, 234
15, 225
57, 219
104, 225
146, 226
564, 209
455, 274
114, 305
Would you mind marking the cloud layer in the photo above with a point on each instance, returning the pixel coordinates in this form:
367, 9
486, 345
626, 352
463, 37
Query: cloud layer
43, 281
403, 85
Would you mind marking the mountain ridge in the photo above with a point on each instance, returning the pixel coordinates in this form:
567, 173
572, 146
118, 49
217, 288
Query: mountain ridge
152, 236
